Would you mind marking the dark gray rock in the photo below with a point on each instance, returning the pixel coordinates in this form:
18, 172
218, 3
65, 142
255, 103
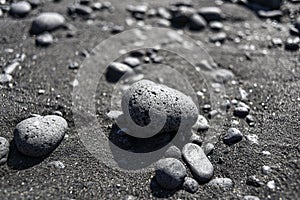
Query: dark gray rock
34, 3
39, 136
150, 108
4, 149
170, 173
173, 152
199, 164
44, 39
190, 185
224, 183
241, 112
211, 13
5, 78
197, 22
82, 9
47, 21
232, 136
116, 70
201, 124
182, 16
20, 9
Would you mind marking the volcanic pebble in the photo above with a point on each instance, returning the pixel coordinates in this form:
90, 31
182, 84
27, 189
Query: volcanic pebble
170, 173
169, 109
47, 21
4, 149
39, 136
199, 164
20, 8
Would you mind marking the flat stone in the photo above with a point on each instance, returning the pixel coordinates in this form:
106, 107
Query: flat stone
199, 164
218, 37
47, 21
20, 9
222, 75
39, 136
167, 109
190, 185
211, 13
224, 183
201, 124
215, 25
273, 14
56, 165
232, 136
4, 150
170, 173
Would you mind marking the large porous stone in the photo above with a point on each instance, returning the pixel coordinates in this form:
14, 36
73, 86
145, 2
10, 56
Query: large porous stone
151, 108
170, 173
199, 164
47, 21
39, 136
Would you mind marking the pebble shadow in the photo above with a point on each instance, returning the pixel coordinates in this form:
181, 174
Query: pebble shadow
160, 192
18, 161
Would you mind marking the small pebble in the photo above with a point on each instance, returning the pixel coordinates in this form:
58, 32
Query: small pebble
56, 164
173, 152
199, 164
251, 197
292, 44
4, 149
201, 124
39, 136
216, 26
197, 22
252, 138
241, 112
44, 39
271, 185
208, 148
218, 37
132, 61
196, 139
5, 78
11, 68
20, 9
232, 136
266, 169
224, 183
170, 173
211, 13
190, 185
47, 21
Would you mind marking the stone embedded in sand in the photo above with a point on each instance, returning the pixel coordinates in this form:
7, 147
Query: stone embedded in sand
170, 173
201, 123
4, 149
47, 21
20, 8
132, 61
44, 39
5, 78
116, 70
199, 164
197, 22
39, 136
173, 152
151, 108
224, 183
